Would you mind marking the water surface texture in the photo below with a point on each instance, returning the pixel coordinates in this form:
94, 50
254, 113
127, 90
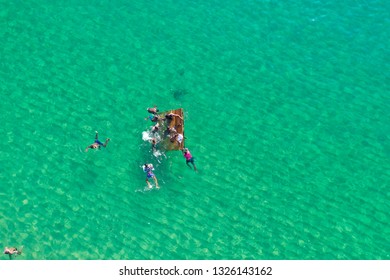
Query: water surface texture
287, 113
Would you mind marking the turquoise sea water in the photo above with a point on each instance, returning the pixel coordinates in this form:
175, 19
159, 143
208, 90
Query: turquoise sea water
286, 110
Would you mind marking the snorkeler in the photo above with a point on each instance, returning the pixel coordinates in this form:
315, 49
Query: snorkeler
154, 143
155, 128
153, 118
189, 158
148, 168
97, 144
153, 110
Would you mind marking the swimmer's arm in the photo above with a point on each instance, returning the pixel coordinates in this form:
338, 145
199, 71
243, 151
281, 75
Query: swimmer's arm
97, 135
177, 116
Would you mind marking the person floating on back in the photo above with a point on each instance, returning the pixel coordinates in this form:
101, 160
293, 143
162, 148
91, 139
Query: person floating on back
13, 251
148, 168
97, 144
189, 158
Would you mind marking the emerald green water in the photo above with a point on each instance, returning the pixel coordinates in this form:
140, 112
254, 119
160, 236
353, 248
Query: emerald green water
286, 110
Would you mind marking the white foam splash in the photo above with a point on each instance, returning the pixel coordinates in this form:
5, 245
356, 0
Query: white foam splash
146, 136
157, 153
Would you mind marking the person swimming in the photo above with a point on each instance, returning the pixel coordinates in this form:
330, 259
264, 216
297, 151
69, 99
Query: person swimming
169, 131
189, 158
148, 169
154, 118
153, 110
170, 116
154, 143
12, 251
155, 128
97, 144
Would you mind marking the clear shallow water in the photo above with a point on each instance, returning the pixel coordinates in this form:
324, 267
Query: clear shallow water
287, 114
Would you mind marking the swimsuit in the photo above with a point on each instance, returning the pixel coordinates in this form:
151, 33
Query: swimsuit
189, 157
98, 142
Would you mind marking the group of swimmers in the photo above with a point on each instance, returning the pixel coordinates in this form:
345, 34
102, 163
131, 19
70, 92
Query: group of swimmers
147, 167
169, 132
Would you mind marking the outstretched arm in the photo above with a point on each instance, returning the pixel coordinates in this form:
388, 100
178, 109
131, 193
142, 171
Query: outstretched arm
177, 116
87, 148
97, 135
